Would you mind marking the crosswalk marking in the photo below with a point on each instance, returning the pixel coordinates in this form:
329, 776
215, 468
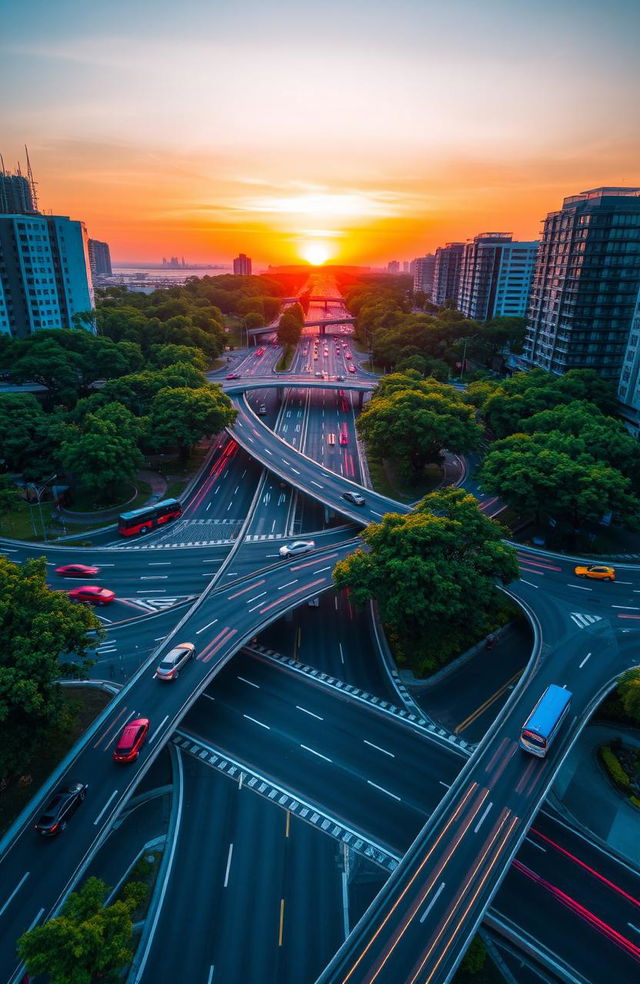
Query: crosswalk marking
582, 621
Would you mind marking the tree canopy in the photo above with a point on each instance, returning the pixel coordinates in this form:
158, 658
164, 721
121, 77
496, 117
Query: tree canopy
88, 941
181, 416
433, 572
42, 636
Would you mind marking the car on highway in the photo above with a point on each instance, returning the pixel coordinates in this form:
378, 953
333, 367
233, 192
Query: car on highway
344, 438
340, 379
331, 440
354, 497
318, 375
315, 355
170, 665
347, 355
260, 351
297, 547
600, 572
262, 410
63, 805
131, 740
93, 594
352, 368
233, 375
77, 570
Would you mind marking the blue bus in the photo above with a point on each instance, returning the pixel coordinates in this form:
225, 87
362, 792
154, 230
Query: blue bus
544, 722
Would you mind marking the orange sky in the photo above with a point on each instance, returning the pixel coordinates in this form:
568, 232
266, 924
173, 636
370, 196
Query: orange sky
360, 132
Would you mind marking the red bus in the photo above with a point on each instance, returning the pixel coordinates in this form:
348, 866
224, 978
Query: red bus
147, 518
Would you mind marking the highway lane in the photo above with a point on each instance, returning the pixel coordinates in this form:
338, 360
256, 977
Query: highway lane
219, 624
253, 873
329, 750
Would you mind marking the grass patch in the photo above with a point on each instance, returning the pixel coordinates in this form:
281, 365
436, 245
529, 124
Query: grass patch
84, 704
285, 360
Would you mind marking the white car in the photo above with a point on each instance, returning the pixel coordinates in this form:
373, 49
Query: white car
171, 664
297, 547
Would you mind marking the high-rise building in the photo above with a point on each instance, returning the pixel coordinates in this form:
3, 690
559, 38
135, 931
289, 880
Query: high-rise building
242, 265
15, 194
495, 276
44, 273
405, 266
393, 266
99, 258
446, 273
423, 267
629, 383
585, 285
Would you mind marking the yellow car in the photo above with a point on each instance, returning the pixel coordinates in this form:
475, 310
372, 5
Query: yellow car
600, 573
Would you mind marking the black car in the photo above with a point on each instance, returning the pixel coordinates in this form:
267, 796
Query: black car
63, 805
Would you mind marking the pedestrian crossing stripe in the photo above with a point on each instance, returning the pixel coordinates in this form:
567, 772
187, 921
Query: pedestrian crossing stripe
582, 621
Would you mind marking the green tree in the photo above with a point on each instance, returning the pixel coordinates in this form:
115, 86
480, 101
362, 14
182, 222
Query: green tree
411, 421
9, 495
183, 416
432, 572
629, 690
537, 473
101, 455
88, 940
43, 635
163, 356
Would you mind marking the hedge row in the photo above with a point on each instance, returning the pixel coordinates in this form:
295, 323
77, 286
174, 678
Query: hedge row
614, 768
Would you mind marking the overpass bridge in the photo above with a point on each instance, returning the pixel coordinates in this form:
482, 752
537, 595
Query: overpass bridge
255, 333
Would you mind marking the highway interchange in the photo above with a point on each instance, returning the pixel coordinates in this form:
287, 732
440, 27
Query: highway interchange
241, 864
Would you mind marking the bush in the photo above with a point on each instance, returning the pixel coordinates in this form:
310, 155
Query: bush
616, 773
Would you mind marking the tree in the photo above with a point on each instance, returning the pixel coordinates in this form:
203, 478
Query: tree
432, 572
537, 473
9, 495
100, 454
49, 364
183, 416
163, 356
88, 940
411, 421
629, 690
43, 635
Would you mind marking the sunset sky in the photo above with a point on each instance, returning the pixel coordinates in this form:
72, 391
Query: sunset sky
355, 129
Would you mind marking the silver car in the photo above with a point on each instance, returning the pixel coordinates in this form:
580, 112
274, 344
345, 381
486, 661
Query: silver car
297, 547
171, 664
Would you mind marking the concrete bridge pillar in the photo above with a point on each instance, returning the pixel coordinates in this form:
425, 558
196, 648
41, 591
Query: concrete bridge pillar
360, 399
328, 514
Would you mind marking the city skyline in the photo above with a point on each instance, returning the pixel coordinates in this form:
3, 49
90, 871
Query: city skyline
357, 137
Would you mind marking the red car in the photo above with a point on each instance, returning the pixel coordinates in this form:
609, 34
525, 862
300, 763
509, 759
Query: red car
260, 351
344, 439
77, 570
233, 375
352, 368
131, 740
93, 593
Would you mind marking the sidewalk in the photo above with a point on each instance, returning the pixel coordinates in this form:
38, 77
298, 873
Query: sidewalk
584, 791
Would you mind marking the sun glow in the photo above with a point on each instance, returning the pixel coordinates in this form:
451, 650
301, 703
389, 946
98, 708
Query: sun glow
315, 253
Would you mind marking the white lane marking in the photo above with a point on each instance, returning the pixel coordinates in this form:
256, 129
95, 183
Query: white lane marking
294, 470
432, 903
530, 583
159, 563
154, 577
151, 591
578, 586
226, 874
269, 452
482, 818
208, 696
207, 574
383, 790
630, 608
15, 891
210, 977
584, 661
340, 648
288, 584
383, 750
37, 919
257, 722
633, 927
255, 597
319, 570
205, 627
105, 808
160, 638
313, 752
317, 484
335, 602
624, 582
208, 506
250, 682
445, 784
534, 844
158, 729
298, 708
376, 513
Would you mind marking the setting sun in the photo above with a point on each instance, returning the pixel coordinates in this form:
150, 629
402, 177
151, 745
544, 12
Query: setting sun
315, 253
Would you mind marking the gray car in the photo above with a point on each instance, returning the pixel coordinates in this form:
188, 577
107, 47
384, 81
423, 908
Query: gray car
171, 664
298, 547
